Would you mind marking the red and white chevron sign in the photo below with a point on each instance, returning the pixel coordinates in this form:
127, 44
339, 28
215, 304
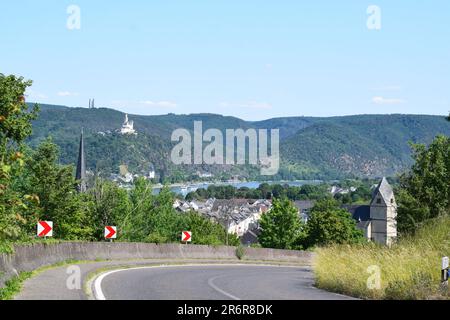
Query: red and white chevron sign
45, 229
186, 236
110, 232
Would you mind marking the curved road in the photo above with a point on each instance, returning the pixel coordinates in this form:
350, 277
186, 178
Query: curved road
210, 282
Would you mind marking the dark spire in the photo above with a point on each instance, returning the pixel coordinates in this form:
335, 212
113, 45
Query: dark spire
81, 166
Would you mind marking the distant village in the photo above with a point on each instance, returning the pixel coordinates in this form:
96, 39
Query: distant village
241, 216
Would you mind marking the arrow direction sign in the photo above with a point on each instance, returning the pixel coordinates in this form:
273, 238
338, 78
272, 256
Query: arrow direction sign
110, 232
186, 236
45, 229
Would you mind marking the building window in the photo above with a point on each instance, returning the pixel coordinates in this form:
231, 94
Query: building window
392, 200
378, 200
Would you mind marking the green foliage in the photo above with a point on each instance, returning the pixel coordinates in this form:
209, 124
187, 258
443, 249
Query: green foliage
280, 225
109, 205
149, 214
205, 231
264, 191
311, 148
151, 218
6, 247
366, 145
13, 286
425, 190
330, 224
15, 127
240, 252
53, 185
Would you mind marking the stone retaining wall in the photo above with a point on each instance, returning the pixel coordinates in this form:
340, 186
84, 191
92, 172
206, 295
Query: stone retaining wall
31, 257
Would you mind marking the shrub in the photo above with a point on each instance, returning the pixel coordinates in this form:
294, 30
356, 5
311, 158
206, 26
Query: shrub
240, 252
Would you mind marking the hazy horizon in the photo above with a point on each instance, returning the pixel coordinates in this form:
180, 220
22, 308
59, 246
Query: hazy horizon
248, 120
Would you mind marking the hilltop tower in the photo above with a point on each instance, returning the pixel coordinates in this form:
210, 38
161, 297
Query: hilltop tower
383, 214
81, 166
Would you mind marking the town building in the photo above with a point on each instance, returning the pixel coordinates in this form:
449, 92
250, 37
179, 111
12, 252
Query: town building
238, 216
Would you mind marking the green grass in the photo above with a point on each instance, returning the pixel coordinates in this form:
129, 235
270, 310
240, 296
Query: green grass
8, 246
409, 269
13, 286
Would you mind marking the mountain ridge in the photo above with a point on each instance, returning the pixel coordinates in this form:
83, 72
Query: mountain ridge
310, 147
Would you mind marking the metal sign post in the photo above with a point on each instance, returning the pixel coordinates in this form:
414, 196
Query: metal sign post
444, 271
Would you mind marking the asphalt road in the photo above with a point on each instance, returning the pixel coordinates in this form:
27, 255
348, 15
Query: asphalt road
211, 282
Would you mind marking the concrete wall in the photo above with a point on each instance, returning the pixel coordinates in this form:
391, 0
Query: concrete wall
31, 257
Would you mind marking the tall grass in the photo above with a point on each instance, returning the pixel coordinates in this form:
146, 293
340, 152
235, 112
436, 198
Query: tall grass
409, 269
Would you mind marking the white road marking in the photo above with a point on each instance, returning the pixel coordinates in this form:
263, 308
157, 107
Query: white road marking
99, 295
212, 285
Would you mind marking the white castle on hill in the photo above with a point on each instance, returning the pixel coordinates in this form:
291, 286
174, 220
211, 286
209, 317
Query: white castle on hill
127, 126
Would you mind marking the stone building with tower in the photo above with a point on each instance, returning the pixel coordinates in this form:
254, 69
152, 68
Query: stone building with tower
378, 219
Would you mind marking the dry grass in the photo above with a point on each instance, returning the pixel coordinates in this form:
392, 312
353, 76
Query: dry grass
409, 269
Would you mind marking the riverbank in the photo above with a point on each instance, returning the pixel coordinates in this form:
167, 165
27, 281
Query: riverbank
185, 188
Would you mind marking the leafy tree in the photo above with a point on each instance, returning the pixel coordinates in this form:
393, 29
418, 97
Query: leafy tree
152, 217
205, 231
164, 219
329, 224
280, 225
109, 206
425, 190
15, 127
265, 190
136, 224
54, 185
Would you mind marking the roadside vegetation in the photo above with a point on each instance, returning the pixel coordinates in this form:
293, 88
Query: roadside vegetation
410, 269
34, 186
328, 223
14, 285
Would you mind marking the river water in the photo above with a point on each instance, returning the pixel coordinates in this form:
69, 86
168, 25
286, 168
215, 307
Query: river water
185, 189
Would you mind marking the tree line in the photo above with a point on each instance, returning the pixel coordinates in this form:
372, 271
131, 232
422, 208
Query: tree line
34, 186
423, 193
293, 193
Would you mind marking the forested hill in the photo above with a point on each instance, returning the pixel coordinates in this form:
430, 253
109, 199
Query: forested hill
326, 148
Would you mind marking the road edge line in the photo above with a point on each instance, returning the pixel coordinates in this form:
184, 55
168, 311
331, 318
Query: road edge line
98, 294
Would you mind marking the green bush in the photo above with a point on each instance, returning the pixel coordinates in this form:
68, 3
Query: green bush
240, 252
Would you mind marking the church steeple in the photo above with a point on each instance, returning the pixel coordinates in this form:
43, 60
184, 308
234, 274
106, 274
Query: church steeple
81, 166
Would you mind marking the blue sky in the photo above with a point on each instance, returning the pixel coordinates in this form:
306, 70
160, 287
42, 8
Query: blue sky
247, 58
